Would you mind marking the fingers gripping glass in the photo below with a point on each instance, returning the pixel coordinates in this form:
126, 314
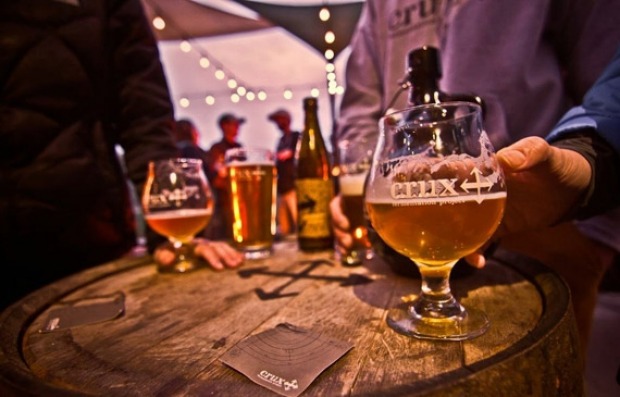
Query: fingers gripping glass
435, 194
177, 204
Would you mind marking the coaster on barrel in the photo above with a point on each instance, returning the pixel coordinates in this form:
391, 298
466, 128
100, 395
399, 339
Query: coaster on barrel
285, 359
85, 311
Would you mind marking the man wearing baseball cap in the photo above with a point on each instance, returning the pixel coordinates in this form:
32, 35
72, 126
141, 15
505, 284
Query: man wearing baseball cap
220, 226
285, 164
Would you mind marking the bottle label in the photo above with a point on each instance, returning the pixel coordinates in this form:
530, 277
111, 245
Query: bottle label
313, 197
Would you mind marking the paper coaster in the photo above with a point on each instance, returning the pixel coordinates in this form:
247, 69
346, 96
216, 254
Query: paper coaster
285, 359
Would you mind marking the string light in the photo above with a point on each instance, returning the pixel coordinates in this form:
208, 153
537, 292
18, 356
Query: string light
159, 23
185, 46
206, 60
330, 37
324, 14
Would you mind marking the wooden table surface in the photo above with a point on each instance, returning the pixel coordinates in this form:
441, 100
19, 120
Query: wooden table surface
175, 328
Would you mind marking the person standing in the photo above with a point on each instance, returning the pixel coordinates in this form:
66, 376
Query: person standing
79, 80
220, 226
528, 64
285, 164
68, 99
187, 140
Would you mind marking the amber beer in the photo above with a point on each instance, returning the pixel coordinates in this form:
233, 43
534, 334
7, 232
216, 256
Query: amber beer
352, 203
434, 232
180, 225
253, 194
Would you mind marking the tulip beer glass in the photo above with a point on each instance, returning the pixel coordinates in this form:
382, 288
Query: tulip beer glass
252, 177
435, 193
354, 162
177, 204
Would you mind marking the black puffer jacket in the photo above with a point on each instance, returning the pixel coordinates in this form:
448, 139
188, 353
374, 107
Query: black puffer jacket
77, 77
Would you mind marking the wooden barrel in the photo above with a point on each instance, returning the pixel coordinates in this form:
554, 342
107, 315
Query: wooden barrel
176, 327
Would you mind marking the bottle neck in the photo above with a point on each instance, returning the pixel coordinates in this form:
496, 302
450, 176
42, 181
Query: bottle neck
424, 90
311, 123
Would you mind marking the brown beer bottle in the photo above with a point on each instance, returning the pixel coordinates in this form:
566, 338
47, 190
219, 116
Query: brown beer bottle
313, 184
423, 75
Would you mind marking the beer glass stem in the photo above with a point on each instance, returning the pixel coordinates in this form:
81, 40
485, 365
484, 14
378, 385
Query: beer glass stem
436, 300
184, 258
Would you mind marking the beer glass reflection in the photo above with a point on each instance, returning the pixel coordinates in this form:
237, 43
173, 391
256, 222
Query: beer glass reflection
435, 193
177, 204
354, 162
252, 182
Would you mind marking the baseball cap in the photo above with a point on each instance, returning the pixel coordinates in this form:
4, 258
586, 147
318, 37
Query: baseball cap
279, 113
228, 117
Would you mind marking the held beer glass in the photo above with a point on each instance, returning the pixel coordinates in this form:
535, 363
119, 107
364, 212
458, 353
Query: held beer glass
435, 194
177, 204
252, 177
355, 158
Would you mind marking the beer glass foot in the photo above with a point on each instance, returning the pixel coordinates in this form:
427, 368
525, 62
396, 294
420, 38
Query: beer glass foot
465, 325
184, 259
184, 266
356, 257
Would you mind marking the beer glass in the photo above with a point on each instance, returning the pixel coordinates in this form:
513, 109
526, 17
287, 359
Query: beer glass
252, 178
177, 203
435, 193
354, 162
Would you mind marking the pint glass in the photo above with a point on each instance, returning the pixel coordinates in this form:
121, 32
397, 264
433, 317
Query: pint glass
252, 182
355, 158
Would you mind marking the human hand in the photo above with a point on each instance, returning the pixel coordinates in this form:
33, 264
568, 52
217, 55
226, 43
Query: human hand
220, 168
218, 254
344, 239
544, 184
284, 154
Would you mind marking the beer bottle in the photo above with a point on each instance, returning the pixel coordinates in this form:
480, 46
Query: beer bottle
423, 74
313, 184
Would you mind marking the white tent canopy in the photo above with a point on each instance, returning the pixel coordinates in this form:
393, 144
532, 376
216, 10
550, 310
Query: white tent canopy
259, 56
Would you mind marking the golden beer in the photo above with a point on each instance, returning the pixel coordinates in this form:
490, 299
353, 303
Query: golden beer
352, 203
435, 232
253, 193
181, 225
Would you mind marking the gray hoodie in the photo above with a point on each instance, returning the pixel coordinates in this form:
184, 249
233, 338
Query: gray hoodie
530, 60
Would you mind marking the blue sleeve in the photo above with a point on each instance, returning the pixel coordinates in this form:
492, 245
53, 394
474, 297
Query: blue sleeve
600, 108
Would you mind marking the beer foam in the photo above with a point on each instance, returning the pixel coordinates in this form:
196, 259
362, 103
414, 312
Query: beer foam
436, 200
352, 185
253, 163
182, 213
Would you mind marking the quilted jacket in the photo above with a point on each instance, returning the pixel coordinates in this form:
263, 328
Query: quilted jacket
78, 79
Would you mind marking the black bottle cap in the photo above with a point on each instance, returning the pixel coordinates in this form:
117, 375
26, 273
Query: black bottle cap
310, 102
424, 61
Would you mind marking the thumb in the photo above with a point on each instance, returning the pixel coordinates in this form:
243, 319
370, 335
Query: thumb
524, 154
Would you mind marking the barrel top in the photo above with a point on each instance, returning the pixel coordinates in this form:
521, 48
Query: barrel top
176, 327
